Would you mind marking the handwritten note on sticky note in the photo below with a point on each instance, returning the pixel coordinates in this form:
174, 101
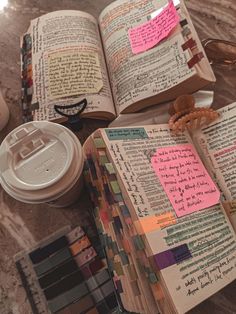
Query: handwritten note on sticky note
72, 73
147, 35
184, 179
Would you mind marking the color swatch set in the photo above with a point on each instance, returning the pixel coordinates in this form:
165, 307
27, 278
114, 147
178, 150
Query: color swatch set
65, 275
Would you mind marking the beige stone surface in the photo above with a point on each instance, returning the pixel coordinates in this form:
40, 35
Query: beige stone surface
21, 225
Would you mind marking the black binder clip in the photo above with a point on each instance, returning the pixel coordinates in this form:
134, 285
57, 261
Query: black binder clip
74, 120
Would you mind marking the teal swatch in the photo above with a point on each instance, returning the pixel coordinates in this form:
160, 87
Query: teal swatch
126, 133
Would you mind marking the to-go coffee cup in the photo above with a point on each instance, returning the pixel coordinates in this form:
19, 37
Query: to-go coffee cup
42, 162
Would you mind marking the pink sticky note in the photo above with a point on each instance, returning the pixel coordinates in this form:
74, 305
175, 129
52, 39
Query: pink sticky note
184, 179
147, 35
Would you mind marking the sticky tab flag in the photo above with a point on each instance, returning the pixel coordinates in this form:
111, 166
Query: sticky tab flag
148, 34
184, 178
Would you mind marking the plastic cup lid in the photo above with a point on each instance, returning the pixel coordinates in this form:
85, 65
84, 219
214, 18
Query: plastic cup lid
36, 155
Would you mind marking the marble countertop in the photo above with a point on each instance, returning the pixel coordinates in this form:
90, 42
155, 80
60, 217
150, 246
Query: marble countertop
22, 225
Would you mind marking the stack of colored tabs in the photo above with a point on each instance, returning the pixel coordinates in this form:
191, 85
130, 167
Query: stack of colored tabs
64, 275
26, 74
135, 277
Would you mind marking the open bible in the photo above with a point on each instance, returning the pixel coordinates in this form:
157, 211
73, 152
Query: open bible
68, 56
158, 207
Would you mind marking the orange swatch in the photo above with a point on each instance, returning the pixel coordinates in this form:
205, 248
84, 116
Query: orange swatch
80, 245
158, 292
126, 245
151, 223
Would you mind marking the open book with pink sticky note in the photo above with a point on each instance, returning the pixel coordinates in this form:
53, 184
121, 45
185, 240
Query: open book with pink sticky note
124, 61
158, 200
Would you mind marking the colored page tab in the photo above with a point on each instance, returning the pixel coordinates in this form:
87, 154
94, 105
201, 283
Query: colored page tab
124, 257
132, 272
104, 217
126, 245
109, 167
102, 157
152, 278
195, 59
151, 223
80, 245
126, 133
119, 286
118, 268
118, 223
158, 291
99, 143
115, 187
184, 179
172, 256
147, 35
138, 242
124, 210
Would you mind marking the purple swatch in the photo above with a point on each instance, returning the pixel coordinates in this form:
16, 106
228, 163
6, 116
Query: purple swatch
173, 256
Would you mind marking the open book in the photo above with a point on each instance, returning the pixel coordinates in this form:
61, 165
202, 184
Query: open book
167, 254
69, 55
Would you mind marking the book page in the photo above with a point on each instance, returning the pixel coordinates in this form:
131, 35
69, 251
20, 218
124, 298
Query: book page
136, 156
196, 253
217, 143
136, 77
68, 63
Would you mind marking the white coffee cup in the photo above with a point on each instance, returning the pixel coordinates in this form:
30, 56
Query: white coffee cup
42, 162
